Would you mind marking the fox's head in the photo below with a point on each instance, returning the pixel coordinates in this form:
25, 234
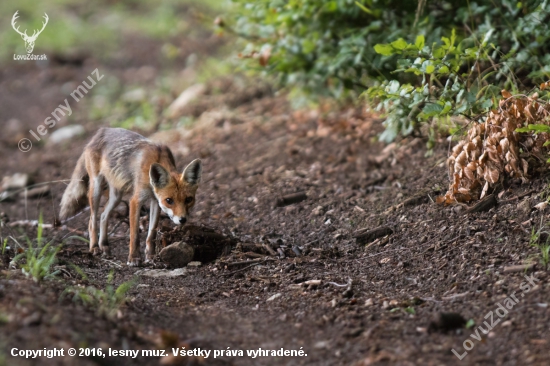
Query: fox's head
175, 193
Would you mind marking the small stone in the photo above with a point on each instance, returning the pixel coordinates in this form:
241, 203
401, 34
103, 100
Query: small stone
525, 206
385, 305
369, 302
162, 272
16, 181
177, 255
134, 96
194, 264
36, 192
394, 302
457, 209
352, 333
187, 96
66, 133
33, 319
274, 297
317, 211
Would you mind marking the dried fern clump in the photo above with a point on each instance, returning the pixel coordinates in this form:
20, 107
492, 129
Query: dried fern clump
510, 143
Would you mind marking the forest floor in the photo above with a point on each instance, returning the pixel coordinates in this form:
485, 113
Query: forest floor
343, 300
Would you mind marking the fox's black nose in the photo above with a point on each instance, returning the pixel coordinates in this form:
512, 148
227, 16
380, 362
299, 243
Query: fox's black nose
183, 220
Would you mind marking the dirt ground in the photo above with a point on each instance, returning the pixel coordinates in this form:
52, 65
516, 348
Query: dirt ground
343, 300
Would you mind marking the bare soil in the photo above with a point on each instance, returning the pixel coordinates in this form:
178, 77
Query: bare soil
342, 300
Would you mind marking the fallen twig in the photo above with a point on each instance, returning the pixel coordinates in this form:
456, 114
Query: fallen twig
519, 268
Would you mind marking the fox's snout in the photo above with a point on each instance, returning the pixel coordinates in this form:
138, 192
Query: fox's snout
179, 220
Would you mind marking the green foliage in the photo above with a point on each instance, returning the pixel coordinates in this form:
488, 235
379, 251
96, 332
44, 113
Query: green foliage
420, 60
106, 302
37, 260
444, 90
544, 248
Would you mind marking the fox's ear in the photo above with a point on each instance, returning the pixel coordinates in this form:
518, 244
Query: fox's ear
158, 176
192, 172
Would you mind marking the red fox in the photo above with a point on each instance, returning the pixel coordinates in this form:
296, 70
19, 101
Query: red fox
125, 162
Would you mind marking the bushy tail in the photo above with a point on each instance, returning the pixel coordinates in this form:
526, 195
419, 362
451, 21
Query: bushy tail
75, 197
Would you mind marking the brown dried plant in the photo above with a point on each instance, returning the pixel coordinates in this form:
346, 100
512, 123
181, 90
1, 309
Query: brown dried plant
495, 149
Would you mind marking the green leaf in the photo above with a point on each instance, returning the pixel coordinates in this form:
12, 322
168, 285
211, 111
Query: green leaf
419, 42
470, 323
399, 44
443, 70
393, 87
430, 68
534, 128
432, 109
384, 49
447, 108
363, 7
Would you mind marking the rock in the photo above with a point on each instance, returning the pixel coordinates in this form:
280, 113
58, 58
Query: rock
525, 206
134, 96
194, 264
66, 133
364, 236
16, 181
541, 206
162, 272
317, 211
273, 297
178, 254
36, 192
186, 97
33, 319
369, 302
13, 127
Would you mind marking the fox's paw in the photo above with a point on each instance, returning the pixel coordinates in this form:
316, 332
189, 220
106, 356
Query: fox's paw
149, 258
134, 262
106, 251
95, 251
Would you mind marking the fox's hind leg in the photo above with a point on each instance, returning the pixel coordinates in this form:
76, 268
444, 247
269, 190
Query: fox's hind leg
114, 200
152, 234
134, 257
94, 195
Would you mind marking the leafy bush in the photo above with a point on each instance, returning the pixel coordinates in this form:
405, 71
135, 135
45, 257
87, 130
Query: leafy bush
106, 302
37, 261
419, 60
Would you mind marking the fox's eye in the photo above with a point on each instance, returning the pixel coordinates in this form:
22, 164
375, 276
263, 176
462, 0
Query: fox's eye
188, 200
169, 201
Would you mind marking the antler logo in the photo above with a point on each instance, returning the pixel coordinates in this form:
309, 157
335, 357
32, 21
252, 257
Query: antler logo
29, 40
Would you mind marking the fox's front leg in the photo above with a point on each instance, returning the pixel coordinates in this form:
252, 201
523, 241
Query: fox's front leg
94, 196
134, 258
152, 234
114, 199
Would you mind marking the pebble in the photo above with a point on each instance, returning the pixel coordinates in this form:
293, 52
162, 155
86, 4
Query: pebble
66, 133
274, 297
162, 272
16, 181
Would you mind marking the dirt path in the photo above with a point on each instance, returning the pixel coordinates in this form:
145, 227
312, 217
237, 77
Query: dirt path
339, 300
